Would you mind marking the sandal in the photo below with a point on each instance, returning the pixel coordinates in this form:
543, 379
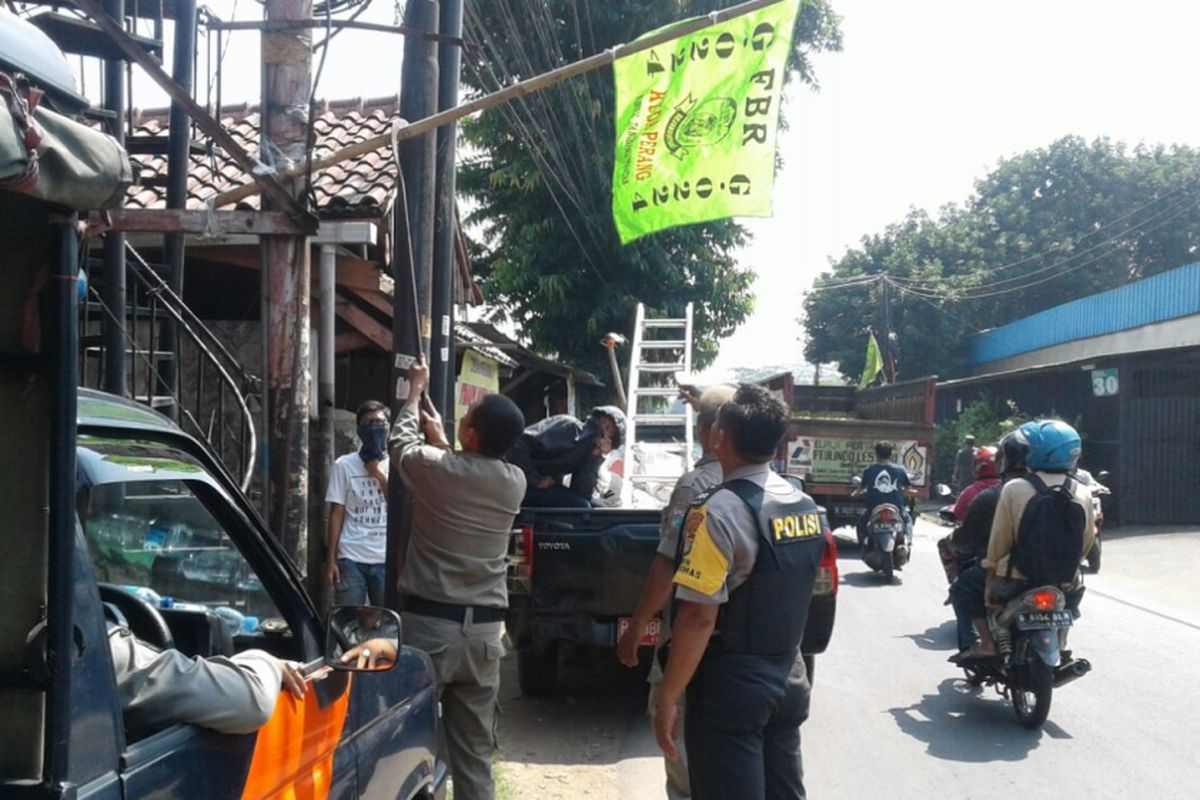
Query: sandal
968, 656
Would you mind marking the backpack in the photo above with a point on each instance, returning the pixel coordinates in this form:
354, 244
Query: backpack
1049, 541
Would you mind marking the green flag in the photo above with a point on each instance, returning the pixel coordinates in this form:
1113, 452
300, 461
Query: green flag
874, 364
696, 124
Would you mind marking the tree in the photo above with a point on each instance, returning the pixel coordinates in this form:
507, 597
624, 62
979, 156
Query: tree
540, 172
1042, 228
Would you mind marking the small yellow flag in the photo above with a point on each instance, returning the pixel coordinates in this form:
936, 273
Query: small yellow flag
874, 364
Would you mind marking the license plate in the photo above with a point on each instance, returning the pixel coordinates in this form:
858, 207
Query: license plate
847, 511
653, 630
1043, 619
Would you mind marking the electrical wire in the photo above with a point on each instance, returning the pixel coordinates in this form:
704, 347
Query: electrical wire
1116, 244
554, 177
937, 288
1046, 254
941, 310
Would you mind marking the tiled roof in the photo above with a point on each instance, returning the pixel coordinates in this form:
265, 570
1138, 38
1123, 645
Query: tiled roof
464, 333
357, 188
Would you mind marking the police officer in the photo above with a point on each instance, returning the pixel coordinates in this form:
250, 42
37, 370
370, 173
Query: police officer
749, 556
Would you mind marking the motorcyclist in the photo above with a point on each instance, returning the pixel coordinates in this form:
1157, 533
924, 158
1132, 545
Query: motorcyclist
969, 542
1053, 451
964, 459
884, 482
563, 445
986, 476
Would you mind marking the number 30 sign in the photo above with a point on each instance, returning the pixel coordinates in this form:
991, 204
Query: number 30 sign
1104, 382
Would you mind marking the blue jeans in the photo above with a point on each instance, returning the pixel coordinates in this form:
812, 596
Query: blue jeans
359, 583
966, 595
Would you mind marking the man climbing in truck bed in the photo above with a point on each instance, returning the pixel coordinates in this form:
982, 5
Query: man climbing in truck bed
562, 445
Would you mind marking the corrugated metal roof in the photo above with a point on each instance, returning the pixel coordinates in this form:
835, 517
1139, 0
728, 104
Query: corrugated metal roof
1168, 295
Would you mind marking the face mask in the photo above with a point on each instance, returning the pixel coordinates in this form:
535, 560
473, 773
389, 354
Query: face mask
374, 441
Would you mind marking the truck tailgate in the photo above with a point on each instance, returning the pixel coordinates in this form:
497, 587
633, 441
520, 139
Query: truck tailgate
590, 562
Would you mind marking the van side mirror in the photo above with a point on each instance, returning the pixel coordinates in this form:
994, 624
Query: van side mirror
362, 639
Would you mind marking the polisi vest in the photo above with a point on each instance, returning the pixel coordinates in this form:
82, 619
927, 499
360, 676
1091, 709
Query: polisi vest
766, 615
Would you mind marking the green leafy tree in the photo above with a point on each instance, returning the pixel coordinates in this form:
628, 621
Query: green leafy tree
985, 419
539, 176
1043, 228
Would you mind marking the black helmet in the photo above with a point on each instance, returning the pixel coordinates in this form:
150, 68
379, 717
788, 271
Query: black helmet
1013, 450
618, 418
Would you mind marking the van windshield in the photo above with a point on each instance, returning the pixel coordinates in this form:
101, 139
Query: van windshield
149, 531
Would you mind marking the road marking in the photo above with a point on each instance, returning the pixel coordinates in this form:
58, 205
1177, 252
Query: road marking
1167, 617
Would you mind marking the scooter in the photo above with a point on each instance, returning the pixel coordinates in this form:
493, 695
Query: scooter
1030, 662
952, 562
887, 540
1095, 485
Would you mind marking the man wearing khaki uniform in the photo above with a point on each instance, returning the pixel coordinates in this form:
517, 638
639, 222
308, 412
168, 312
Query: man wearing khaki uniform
453, 578
657, 589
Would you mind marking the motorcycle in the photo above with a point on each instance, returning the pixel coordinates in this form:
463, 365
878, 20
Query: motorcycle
1095, 484
886, 542
952, 562
1030, 662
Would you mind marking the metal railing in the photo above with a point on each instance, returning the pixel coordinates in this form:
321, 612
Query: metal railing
213, 398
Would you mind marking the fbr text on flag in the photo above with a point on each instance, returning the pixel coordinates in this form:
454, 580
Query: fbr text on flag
697, 120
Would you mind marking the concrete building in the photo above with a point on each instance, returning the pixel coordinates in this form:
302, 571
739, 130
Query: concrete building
1123, 365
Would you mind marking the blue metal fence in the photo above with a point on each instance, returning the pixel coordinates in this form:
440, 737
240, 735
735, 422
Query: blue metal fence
1165, 296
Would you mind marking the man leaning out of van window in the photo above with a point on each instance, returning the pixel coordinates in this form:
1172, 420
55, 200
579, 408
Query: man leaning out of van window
228, 695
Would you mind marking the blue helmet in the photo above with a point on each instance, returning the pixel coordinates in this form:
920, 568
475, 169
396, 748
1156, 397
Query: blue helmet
1054, 446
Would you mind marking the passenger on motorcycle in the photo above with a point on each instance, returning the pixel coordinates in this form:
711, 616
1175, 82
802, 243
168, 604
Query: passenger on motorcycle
884, 482
985, 478
969, 541
1053, 449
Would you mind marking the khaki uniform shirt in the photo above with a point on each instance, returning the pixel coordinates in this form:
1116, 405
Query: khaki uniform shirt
705, 475
1011, 506
163, 688
463, 510
722, 538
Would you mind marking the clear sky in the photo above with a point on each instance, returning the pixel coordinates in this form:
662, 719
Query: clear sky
924, 98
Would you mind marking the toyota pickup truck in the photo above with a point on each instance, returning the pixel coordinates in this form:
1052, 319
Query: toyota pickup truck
575, 576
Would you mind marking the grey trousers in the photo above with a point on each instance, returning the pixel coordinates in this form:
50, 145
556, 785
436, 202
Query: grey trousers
466, 663
678, 786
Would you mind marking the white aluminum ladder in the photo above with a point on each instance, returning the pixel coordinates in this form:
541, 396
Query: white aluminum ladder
662, 347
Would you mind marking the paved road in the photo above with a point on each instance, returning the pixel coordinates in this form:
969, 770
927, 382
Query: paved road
891, 719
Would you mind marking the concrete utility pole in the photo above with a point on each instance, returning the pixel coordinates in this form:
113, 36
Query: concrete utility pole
178, 152
116, 376
286, 276
412, 244
441, 372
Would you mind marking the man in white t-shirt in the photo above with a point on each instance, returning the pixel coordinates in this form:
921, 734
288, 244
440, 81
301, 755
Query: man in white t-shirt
357, 531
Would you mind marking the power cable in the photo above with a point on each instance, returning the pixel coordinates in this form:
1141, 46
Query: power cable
1045, 254
550, 177
1115, 242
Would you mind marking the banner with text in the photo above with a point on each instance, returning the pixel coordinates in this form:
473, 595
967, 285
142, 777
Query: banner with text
479, 376
696, 124
821, 460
